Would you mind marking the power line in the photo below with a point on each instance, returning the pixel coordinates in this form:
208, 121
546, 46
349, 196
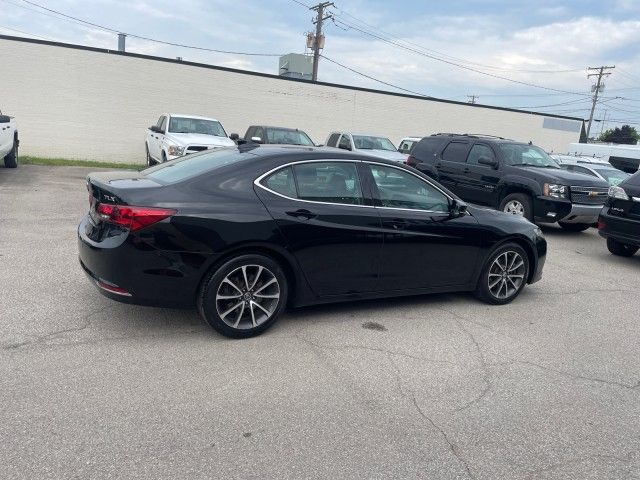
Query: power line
373, 78
445, 55
140, 37
373, 35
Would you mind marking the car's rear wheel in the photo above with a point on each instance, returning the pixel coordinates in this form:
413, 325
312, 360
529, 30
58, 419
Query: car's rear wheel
621, 249
575, 227
504, 275
518, 204
11, 160
243, 297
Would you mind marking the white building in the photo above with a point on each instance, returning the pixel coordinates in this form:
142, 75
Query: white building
80, 102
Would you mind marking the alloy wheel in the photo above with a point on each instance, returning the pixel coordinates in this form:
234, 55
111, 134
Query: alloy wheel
514, 207
247, 297
506, 274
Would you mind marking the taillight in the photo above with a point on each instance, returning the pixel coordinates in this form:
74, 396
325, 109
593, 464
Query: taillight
601, 224
133, 218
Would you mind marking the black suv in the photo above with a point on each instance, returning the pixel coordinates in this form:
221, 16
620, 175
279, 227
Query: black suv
619, 220
514, 177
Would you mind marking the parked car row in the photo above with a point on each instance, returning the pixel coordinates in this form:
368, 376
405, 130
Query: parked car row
176, 135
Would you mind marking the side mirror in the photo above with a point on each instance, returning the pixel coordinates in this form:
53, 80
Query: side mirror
457, 208
234, 137
489, 162
5, 118
155, 129
256, 139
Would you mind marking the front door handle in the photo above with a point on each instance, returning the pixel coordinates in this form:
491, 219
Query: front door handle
302, 214
397, 224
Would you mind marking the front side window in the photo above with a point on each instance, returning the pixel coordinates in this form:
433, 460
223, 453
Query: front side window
196, 125
332, 182
163, 124
479, 151
400, 189
517, 154
405, 146
455, 152
333, 140
363, 142
287, 137
345, 143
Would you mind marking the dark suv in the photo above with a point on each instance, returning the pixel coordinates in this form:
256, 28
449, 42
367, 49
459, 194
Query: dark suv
514, 177
619, 220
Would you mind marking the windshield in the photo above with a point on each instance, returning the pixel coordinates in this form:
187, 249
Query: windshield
373, 143
517, 154
196, 125
611, 175
288, 137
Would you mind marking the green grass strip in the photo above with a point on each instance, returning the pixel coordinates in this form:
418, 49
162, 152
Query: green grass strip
67, 162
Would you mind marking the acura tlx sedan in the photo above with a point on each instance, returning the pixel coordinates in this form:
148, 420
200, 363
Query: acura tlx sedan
245, 231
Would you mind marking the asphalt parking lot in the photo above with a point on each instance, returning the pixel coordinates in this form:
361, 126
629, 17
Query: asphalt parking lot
426, 387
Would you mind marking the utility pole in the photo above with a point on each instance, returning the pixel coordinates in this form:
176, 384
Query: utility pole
603, 121
599, 72
318, 40
472, 99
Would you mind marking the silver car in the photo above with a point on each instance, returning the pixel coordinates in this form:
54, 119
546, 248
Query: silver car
591, 166
373, 145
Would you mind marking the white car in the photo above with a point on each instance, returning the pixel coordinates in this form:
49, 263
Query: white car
407, 143
9, 141
177, 135
373, 145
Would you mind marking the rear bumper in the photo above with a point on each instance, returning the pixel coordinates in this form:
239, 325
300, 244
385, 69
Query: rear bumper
149, 276
621, 229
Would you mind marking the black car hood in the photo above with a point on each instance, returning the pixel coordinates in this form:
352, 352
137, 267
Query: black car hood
563, 177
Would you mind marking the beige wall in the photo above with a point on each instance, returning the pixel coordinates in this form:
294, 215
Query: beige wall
83, 104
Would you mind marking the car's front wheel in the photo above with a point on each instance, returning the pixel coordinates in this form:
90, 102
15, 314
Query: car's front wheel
621, 249
11, 160
518, 204
244, 296
504, 275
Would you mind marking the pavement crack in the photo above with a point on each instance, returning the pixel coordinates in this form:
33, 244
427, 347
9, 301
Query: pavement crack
453, 448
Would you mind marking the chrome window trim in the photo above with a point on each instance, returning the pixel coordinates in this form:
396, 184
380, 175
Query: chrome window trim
257, 183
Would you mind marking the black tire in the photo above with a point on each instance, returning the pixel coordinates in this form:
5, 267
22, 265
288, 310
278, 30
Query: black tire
486, 289
252, 295
621, 249
575, 227
164, 157
11, 160
518, 198
150, 161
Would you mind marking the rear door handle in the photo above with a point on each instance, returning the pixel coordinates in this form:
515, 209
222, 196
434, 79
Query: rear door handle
302, 213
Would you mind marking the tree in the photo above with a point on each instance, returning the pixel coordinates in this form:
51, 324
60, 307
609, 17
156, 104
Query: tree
627, 135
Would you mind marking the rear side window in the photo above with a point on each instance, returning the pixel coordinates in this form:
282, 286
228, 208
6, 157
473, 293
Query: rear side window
455, 152
282, 182
333, 140
332, 182
194, 165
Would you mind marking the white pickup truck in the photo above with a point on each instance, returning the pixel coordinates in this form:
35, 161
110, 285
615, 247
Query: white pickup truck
176, 135
9, 141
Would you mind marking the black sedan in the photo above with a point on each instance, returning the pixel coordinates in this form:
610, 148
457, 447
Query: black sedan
619, 220
243, 232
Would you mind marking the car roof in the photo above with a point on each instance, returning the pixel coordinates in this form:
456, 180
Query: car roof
478, 136
185, 115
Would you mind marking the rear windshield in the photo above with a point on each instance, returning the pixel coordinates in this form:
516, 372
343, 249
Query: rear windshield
195, 164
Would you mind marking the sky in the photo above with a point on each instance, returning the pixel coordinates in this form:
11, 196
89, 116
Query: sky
531, 55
